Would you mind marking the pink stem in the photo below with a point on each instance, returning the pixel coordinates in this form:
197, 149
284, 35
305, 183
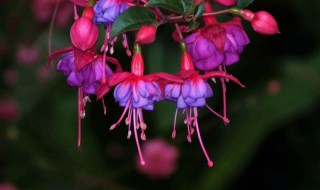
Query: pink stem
80, 108
142, 162
210, 163
224, 93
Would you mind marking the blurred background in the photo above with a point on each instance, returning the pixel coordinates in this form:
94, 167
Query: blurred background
273, 141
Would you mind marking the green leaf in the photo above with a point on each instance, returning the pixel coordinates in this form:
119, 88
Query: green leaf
188, 6
170, 5
200, 10
244, 3
132, 19
193, 26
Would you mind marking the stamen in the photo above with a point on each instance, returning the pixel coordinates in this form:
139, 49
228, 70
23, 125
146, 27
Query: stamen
129, 123
104, 107
142, 162
125, 45
210, 163
224, 91
76, 16
122, 115
174, 132
225, 120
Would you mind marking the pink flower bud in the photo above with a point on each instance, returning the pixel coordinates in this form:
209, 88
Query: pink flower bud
226, 2
264, 23
146, 35
84, 33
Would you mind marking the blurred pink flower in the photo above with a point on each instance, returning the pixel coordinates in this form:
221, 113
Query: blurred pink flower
28, 54
273, 87
9, 110
7, 186
44, 73
160, 158
43, 11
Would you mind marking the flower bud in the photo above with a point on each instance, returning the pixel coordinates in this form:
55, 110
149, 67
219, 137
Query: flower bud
264, 23
226, 2
84, 34
146, 35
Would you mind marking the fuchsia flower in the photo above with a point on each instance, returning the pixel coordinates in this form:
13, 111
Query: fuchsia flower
160, 157
216, 43
136, 92
192, 94
89, 77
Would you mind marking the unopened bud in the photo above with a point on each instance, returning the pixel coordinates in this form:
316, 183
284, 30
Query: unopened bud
146, 35
84, 34
262, 22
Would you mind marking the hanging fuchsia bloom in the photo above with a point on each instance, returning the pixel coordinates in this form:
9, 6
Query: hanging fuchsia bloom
136, 91
107, 11
217, 43
161, 159
89, 77
191, 95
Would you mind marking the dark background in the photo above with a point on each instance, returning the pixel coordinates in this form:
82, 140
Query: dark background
272, 142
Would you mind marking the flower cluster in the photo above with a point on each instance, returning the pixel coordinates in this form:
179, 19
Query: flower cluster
206, 52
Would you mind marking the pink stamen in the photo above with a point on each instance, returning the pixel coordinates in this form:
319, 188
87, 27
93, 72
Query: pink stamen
210, 163
225, 120
104, 107
76, 16
224, 91
125, 44
142, 162
122, 115
129, 123
173, 135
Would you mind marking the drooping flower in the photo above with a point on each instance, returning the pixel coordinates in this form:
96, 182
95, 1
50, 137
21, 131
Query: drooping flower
89, 77
216, 43
160, 157
191, 95
135, 91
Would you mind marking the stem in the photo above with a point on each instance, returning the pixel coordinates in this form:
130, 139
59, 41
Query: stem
51, 27
179, 31
182, 18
